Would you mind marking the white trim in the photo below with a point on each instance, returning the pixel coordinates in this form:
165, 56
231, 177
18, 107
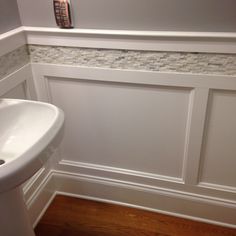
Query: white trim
211, 42
102, 189
164, 34
12, 40
22, 75
217, 186
41, 198
82, 165
171, 79
208, 42
195, 127
162, 201
29, 184
146, 180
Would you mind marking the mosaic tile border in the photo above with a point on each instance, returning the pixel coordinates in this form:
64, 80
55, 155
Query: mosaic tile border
183, 62
176, 62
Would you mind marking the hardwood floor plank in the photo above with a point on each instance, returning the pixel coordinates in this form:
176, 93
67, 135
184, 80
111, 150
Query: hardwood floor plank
77, 217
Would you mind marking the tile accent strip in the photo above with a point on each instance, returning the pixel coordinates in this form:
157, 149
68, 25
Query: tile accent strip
183, 62
13, 61
176, 62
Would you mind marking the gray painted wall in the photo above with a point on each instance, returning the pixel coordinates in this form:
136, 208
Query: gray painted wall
179, 15
9, 15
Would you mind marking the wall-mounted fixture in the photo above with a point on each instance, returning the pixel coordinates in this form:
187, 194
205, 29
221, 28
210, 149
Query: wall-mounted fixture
62, 13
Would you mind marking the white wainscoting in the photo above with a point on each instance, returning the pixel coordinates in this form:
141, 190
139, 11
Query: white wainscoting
145, 139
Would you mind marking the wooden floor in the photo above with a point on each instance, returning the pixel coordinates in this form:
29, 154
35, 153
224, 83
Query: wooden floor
76, 217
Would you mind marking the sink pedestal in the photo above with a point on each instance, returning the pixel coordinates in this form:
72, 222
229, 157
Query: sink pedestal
14, 219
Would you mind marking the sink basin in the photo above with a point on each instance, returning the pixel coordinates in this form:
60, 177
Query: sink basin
27, 128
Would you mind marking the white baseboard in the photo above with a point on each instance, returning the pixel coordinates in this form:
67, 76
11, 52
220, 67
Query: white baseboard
194, 208
89, 187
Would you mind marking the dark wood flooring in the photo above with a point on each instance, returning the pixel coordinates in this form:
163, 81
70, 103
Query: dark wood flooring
76, 217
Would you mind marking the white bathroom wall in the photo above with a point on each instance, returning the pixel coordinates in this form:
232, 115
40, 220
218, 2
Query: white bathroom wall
9, 15
169, 15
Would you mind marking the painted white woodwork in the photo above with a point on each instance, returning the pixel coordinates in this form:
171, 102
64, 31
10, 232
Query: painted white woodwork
196, 121
215, 42
209, 42
218, 154
12, 40
139, 130
18, 84
144, 197
132, 127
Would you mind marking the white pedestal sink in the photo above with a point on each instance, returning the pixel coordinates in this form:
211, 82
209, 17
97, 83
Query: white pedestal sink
27, 129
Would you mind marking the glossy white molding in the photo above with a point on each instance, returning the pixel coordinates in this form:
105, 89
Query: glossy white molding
183, 34
156, 200
110, 190
209, 42
12, 40
134, 40
147, 180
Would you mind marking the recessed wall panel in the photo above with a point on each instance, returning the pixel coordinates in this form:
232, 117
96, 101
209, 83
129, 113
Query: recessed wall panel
218, 159
128, 126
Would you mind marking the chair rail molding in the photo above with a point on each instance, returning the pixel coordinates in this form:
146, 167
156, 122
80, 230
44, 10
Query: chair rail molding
208, 42
12, 40
211, 42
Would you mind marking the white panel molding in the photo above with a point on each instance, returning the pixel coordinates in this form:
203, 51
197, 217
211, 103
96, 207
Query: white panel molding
40, 195
195, 131
159, 200
117, 173
212, 42
12, 40
27, 187
200, 85
151, 181
20, 76
217, 187
222, 152
130, 76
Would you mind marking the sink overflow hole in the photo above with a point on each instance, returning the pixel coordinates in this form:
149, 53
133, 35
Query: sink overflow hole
2, 162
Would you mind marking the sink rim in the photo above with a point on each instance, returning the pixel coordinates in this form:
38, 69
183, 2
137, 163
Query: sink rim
14, 173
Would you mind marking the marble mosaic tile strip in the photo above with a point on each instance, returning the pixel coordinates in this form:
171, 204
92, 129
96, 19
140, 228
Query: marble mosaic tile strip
13, 61
196, 63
